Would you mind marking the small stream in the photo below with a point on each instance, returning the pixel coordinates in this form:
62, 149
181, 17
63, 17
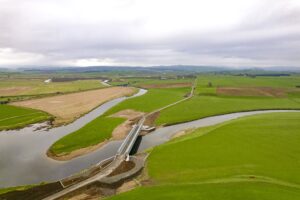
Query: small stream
23, 158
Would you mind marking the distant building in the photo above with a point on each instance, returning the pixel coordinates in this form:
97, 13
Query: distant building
48, 81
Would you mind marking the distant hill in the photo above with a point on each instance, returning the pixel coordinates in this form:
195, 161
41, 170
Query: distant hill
173, 69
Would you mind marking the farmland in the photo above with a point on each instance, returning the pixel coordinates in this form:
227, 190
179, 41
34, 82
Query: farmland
12, 117
14, 89
234, 160
249, 94
204, 106
150, 82
149, 100
153, 99
66, 108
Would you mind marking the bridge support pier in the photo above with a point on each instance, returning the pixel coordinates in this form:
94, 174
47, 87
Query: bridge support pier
127, 158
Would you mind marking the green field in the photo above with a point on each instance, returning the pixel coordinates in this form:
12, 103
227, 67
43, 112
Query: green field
20, 89
253, 157
219, 191
203, 106
152, 100
242, 81
91, 134
16, 117
140, 82
207, 102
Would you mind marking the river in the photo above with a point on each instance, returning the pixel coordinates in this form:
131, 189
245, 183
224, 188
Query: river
23, 158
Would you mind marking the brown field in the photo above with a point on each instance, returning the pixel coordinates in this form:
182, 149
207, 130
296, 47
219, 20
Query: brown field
252, 91
10, 91
66, 108
168, 85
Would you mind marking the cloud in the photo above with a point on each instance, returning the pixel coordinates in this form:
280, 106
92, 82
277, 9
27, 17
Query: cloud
142, 32
9, 56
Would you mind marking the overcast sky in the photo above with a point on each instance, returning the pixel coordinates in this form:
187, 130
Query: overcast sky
149, 32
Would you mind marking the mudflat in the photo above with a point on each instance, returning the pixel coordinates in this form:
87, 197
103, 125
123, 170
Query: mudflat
66, 108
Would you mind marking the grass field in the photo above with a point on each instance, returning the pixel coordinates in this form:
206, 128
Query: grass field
204, 106
207, 102
219, 191
93, 133
141, 82
253, 157
10, 87
16, 117
242, 81
19, 89
153, 99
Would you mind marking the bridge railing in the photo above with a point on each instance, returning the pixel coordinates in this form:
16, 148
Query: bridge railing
123, 145
86, 173
134, 137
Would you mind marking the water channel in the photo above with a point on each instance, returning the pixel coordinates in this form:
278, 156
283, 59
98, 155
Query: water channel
23, 158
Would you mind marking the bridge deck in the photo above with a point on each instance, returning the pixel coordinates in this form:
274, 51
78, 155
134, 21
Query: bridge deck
129, 141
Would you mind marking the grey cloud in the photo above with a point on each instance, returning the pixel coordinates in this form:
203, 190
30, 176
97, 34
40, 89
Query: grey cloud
271, 38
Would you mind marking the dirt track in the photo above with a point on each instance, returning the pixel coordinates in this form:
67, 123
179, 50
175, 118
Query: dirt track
67, 108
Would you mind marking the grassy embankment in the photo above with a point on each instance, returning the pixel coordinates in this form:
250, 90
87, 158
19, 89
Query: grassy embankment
258, 93
93, 133
249, 158
101, 128
18, 188
12, 117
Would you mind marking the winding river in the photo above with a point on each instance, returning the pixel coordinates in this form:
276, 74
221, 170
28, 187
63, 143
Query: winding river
23, 158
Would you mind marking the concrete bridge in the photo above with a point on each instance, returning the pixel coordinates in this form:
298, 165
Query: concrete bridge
129, 141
